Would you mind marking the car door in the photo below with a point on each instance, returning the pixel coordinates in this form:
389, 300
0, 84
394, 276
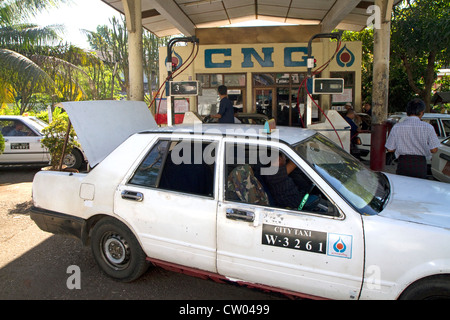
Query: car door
171, 204
22, 144
317, 254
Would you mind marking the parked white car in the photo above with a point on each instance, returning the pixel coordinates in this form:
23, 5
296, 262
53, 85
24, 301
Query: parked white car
440, 163
23, 137
175, 197
439, 121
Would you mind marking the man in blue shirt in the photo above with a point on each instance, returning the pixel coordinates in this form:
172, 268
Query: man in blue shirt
226, 111
349, 117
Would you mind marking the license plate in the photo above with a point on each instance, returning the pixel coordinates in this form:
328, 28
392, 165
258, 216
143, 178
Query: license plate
20, 146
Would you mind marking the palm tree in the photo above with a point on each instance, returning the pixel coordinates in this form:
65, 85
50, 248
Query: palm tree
16, 40
33, 59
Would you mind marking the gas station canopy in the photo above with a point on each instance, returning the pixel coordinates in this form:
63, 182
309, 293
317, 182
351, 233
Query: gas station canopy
171, 17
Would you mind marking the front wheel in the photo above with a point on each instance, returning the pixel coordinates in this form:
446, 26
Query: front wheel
432, 288
117, 251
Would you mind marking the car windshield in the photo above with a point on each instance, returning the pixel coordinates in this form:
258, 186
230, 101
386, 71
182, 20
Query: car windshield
365, 190
38, 123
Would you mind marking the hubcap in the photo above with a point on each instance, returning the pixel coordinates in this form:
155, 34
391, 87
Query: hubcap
116, 250
69, 160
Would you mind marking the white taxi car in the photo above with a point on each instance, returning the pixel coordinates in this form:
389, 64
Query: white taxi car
440, 163
23, 137
201, 198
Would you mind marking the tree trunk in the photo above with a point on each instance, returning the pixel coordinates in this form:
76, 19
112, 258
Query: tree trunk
429, 78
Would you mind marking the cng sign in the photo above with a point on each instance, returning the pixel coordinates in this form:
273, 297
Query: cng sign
221, 57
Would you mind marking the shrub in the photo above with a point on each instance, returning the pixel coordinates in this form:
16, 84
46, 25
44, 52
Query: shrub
53, 140
2, 144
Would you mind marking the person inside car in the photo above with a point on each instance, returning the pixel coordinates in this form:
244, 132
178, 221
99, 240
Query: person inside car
17, 131
283, 188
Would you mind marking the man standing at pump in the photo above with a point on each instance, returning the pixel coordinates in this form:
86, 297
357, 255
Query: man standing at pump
413, 141
226, 110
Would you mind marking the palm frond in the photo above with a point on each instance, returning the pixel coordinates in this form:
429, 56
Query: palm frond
16, 11
17, 66
29, 35
66, 72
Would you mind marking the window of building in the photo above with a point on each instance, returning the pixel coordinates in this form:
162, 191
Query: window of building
281, 96
208, 102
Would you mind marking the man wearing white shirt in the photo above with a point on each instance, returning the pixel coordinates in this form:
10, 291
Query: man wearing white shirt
413, 141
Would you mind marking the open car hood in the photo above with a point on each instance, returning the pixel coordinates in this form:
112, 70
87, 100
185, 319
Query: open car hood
101, 126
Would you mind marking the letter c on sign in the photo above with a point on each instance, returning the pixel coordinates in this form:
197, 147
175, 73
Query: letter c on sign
208, 58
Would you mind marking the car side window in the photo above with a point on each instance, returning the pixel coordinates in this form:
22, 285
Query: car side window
446, 125
15, 128
148, 172
271, 179
182, 166
434, 123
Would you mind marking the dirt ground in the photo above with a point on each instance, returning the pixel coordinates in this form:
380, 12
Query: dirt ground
15, 204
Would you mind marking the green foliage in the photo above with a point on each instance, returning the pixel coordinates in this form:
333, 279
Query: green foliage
2, 143
37, 68
366, 38
420, 42
420, 39
112, 44
54, 138
57, 113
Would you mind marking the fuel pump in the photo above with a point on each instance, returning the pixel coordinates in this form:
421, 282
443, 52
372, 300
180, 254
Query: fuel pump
328, 85
181, 88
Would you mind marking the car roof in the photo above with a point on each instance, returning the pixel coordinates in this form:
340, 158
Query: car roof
101, 126
12, 117
29, 120
289, 135
425, 115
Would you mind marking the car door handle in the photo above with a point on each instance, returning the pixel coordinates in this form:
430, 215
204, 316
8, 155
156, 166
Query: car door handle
236, 214
132, 195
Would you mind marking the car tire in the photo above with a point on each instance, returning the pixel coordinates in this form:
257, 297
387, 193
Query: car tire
432, 288
117, 251
74, 159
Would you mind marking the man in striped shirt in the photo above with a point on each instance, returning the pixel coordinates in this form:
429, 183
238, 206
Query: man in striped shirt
413, 141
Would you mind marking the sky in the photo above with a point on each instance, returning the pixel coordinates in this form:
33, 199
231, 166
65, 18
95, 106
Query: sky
78, 14
88, 14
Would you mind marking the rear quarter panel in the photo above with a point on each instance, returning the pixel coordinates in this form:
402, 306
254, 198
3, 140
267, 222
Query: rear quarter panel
86, 194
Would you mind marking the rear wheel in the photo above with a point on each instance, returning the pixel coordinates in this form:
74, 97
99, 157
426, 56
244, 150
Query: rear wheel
73, 160
117, 251
432, 288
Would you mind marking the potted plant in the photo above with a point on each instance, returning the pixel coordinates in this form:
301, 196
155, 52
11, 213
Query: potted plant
55, 140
